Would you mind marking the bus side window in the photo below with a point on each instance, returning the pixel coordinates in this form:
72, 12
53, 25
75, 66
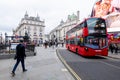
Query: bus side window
72, 41
68, 41
75, 41
81, 41
78, 41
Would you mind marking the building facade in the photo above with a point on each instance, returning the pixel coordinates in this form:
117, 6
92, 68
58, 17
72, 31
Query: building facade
33, 27
1, 38
59, 33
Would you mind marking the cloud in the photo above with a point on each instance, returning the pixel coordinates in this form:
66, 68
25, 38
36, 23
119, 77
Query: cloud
5, 28
52, 11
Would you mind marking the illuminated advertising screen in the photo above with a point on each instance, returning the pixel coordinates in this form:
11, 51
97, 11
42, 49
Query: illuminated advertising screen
110, 11
102, 8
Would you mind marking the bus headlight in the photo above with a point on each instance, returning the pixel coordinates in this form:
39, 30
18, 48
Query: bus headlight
86, 48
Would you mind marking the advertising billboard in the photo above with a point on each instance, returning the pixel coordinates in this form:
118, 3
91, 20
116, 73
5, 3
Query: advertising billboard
110, 11
102, 8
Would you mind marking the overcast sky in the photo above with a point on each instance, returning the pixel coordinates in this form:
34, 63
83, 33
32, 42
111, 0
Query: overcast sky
52, 11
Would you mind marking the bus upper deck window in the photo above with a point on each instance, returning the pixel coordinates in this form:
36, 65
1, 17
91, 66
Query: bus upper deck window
102, 25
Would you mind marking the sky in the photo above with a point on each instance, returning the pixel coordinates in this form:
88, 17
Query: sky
52, 11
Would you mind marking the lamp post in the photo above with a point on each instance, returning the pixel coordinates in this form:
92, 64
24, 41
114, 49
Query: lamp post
5, 38
1, 37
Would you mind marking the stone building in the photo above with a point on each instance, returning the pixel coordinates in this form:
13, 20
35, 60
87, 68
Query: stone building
58, 33
33, 27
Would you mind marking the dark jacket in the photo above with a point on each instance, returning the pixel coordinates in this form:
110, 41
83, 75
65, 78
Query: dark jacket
20, 51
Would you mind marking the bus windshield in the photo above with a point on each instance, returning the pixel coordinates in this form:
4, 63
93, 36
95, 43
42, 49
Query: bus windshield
95, 42
96, 25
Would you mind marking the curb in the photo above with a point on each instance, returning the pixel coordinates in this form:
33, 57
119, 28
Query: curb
113, 57
76, 77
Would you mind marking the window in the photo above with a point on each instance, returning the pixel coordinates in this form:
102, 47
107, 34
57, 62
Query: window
40, 29
72, 41
96, 25
35, 28
95, 42
29, 28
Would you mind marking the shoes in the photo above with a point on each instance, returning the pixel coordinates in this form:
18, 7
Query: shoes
25, 70
13, 74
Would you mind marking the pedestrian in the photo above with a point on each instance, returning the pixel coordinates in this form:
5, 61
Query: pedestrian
45, 44
19, 57
116, 48
62, 43
53, 44
56, 44
111, 47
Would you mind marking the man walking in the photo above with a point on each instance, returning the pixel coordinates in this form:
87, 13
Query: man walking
20, 56
111, 47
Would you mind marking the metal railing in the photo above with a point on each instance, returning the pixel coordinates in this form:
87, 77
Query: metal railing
30, 47
2, 48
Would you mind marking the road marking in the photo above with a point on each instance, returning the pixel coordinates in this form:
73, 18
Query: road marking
64, 70
68, 67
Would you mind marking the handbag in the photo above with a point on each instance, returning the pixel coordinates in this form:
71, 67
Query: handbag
15, 57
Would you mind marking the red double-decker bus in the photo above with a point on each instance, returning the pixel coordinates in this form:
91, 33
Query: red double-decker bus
89, 38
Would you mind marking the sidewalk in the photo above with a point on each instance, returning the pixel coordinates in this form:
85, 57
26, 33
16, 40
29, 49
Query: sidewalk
44, 66
114, 55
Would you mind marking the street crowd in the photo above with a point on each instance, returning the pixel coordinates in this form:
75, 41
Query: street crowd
52, 43
114, 48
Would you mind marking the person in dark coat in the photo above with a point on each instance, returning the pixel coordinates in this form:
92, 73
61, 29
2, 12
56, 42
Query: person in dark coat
111, 47
19, 56
116, 48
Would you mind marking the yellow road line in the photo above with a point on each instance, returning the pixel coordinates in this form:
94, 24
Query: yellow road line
68, 67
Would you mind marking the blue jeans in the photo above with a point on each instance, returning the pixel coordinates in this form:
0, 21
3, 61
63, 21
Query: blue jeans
17, 62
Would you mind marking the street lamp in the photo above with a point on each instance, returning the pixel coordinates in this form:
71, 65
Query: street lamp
5, 38
1, 37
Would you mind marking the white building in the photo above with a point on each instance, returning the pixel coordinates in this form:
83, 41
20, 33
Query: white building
33, 26
59, 32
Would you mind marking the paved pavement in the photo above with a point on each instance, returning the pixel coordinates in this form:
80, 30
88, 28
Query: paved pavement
44, 66
114, 55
